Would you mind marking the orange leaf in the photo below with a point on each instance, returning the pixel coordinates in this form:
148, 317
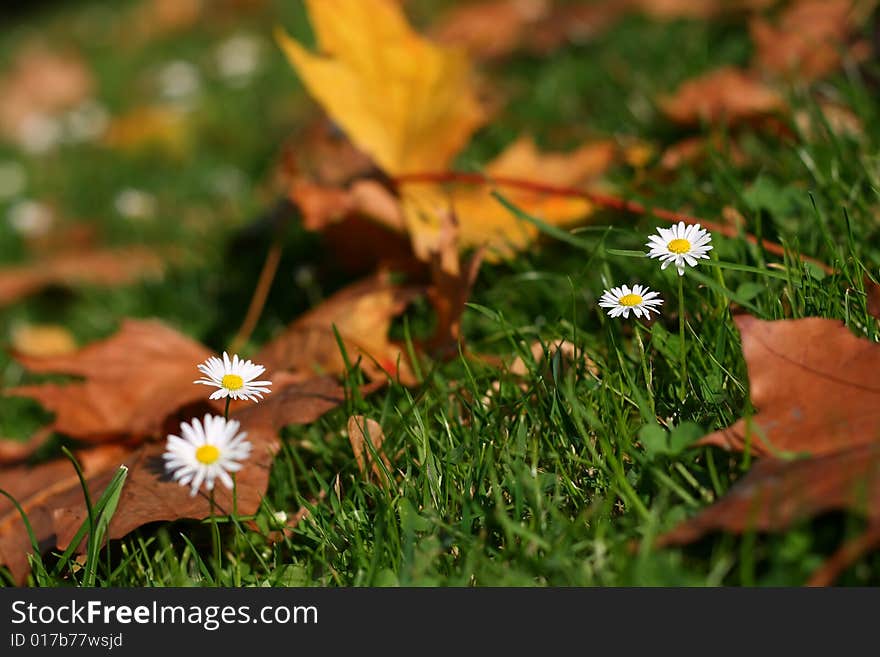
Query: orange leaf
149, 495
133, 381
482, 220
362, 430
40, 490
95, 267
724, 95
814, 384
807, 41
775, 494
362, 315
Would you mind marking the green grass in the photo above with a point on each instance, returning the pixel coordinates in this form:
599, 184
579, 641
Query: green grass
561, 477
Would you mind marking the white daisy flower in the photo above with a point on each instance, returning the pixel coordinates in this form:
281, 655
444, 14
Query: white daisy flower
682, 244
234, 378
206, 452
639, 299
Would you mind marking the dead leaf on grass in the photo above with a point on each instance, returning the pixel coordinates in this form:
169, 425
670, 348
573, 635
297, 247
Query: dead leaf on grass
107, 267
362, 430
132, 381
362, 314
814, 385
726, 94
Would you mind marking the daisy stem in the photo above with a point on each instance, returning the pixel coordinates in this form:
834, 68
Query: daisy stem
234, 497
645, 370
226, 412
681, 348
215, 540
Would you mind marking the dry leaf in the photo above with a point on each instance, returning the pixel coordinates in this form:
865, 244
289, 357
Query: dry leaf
692, 150
697, 9
574, 23
320, 205
40, 490
451, 284
150, 495
362, 314
724, 95
807, 41
777, 493
540, 352
483, 221
407, 103
840, 120
814, 385
95, 267
491, 29
53, 499
14, 451
133, 381
41, 82
42, 340
360, 431
322, 154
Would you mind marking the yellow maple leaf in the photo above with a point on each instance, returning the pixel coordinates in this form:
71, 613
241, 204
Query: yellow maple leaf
483, 220
408, 103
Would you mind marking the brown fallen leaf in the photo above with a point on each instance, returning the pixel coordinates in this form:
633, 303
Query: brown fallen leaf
322, 205
700, 9
727, 94
53, 499
840, 120
40, 490
490, 29
543, 352
323, 155
362, 430
95, 267
807, 41
694, 149
573, 23
777, 493
133, 381
149, 495
814, 385
451, 284
18, 451
362, 314
41, 82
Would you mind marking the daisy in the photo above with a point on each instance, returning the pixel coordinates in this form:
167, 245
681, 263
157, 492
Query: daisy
205, 452
622, 299
233, 378
682, 244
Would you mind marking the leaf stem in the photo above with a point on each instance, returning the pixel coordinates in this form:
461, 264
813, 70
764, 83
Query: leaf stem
606, 201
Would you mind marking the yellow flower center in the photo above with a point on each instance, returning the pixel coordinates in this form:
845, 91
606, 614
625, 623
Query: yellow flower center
630, 300
232, 382
207, 454
679, 246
